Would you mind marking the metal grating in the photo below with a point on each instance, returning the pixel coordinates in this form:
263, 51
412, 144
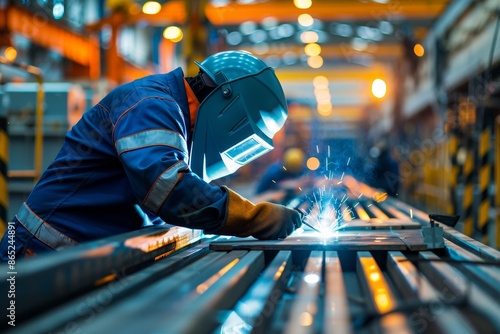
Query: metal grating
174, 281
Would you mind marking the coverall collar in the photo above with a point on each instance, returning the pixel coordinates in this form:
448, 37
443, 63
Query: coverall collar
193, 104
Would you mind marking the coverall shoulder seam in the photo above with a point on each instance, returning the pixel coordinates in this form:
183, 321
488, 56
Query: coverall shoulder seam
103, 107
133, 107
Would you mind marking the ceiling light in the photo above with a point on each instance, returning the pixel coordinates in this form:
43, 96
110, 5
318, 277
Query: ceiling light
234, 38
315, 61
58, 11
343, 30
173, 34
248, 27
324, 109
286, 30
269, 22
320, 81
385, 27
258, 36
309, 37
305, 20
379, 88
151, 8
302, 4
312, 49
359, 44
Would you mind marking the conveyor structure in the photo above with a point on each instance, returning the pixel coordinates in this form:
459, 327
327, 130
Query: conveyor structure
382, 267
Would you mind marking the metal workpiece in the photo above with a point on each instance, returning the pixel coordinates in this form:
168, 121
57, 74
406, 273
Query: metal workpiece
372, 271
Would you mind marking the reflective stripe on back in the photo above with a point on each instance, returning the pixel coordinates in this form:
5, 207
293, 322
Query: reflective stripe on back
163, 186
151, 138
42, 230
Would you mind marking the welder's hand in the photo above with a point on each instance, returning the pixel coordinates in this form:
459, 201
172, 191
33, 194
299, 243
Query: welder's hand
262, 220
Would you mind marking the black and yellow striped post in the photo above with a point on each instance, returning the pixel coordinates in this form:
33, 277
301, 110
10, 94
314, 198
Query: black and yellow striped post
484, 172
4, 190
466, 116
468, 193
497, 183
453, 139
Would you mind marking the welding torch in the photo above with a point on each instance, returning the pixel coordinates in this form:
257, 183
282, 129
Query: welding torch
303, 214
295, 204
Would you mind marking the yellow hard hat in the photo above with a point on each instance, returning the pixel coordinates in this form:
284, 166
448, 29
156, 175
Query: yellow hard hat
294, 159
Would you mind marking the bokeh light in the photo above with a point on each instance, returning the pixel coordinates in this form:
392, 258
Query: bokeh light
379, 88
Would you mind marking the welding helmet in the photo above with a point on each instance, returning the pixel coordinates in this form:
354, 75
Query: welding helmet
236, 122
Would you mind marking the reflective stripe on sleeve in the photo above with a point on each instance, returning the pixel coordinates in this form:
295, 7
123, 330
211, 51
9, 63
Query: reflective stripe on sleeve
151, 138
163, 186
42, 230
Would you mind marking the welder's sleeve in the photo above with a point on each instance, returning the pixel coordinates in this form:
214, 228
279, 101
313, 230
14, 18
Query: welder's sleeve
262, 220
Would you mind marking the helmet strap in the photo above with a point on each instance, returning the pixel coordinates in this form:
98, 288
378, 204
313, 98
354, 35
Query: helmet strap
201, 85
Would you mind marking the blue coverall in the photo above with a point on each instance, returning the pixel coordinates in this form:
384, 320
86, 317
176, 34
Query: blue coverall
129, 150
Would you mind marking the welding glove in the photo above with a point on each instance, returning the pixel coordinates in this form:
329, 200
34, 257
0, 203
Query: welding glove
261, 221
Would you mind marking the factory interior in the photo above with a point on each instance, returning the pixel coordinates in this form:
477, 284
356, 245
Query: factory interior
384, 179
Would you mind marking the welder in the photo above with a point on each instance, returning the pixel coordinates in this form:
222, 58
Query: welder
146, 153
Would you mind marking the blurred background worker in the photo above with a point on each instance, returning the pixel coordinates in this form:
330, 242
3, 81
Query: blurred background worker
284, 173
146, 152
381, 170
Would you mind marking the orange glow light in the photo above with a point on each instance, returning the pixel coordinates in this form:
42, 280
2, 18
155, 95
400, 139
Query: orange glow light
419, 50
312, 163
10, 53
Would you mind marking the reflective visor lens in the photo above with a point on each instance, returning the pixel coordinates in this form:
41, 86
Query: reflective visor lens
248, 150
